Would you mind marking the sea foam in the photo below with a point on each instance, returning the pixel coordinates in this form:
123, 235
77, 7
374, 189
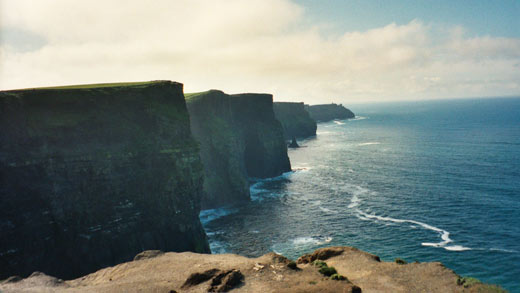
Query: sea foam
445, 235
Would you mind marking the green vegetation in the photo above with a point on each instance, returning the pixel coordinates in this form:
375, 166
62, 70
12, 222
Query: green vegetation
470, 282
319, 263
328, 271
467, 281
324, 268
338, 277
400, 261
97, 85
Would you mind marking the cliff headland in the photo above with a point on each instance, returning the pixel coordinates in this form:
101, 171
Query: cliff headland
296, 121
328, 112
239, 138
92, 175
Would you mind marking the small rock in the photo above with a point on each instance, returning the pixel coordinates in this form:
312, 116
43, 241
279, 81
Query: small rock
292, 265
294, 143
258, 267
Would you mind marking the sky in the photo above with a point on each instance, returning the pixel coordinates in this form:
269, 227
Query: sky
346, 51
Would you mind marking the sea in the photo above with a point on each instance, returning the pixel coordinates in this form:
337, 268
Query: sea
422, 181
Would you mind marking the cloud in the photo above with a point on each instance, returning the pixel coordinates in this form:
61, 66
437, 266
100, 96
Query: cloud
246, 46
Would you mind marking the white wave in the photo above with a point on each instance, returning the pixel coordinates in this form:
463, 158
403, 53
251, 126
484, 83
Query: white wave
369, 143
339, 122
362, 218
456, 248
445, 235
328, 211
207, 216
503, 250
358, 118
256, 191
213, 233
300, 169
311, 240
218, 247
303, 240
322, 132
279, 177
354, 201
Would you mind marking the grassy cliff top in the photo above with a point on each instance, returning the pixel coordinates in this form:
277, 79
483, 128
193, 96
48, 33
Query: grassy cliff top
194, 96
97, 85
190, 97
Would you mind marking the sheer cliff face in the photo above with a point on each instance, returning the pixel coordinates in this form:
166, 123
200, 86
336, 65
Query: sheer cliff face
239, 138
296, 121
92, 175
327, 112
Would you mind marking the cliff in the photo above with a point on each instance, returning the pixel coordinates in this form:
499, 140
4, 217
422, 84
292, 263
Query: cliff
239, 138
327, 112
296, 121
334, 269
91, 175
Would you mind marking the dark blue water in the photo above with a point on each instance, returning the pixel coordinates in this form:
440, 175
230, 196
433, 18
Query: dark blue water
425, 181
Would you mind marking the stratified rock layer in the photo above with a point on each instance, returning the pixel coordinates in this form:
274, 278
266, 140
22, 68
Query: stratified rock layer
296, 121
327, 112
91, 175
239, 138
357, 271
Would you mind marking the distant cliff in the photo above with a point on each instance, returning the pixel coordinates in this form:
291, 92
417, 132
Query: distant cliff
239, 138
91, 175
296, 121
327, 112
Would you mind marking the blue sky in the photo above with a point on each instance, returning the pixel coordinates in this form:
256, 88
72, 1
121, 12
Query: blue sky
499, 18
298, 50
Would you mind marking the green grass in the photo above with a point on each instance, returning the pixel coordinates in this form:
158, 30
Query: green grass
328, 271
338, 277
467, 281
96, 85
319, 263
470, 282
190, 97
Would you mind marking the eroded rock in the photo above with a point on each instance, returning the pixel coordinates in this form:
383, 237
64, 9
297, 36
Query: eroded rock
148, 254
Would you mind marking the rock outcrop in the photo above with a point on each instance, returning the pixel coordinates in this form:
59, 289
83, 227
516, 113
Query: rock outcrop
296, 121
239, 138
342, 269
328, 112
91, 175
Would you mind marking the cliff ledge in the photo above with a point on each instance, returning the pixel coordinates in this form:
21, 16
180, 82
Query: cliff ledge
333, 269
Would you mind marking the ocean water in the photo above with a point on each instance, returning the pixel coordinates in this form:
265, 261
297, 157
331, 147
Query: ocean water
422, 181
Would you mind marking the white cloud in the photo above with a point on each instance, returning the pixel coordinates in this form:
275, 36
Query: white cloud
248, 46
